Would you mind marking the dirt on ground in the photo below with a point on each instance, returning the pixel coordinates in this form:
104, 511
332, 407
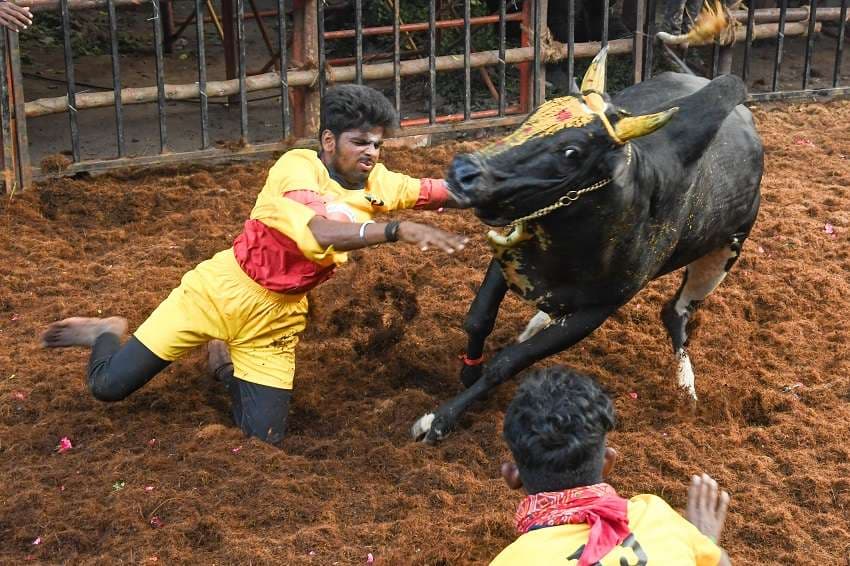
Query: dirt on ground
163, 476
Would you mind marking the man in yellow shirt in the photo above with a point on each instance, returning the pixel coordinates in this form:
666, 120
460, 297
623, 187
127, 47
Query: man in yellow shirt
556, 427
249, 302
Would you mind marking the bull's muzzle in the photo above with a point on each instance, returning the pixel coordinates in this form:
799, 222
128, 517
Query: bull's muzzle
464, 179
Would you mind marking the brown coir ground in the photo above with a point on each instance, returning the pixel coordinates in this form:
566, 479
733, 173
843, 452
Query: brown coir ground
163, 477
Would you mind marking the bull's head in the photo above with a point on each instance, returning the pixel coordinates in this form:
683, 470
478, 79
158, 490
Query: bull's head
568, 144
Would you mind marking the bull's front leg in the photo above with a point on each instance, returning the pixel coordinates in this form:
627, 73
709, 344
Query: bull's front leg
560, 335
480, 321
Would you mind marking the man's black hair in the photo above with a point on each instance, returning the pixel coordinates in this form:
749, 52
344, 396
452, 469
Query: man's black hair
555, 427
355, 107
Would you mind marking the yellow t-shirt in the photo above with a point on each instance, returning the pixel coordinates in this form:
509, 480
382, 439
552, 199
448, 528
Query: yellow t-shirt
301, 169
659, 536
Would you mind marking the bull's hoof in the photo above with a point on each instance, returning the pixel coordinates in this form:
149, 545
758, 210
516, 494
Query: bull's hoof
685, 375
426, 430
470, 374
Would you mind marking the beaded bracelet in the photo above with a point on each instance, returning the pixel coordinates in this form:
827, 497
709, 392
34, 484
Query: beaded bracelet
391, 230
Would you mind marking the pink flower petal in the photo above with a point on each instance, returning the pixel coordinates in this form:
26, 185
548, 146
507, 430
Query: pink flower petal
61, 488
149, 488
370, 559
15, 317
312, 553
64, 445
156, 522
19, 395
236, 450
829, 228
633, 395
761, 250
37, 541
152, 442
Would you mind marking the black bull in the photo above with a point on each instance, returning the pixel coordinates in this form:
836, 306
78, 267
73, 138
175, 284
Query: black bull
686, 195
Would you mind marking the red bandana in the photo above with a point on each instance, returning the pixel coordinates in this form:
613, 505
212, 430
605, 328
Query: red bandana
597, 505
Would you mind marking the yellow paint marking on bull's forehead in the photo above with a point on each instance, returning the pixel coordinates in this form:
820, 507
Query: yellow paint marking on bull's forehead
551, 117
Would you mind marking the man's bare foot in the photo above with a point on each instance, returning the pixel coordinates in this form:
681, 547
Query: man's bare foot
218, 356
707, 506
81, 331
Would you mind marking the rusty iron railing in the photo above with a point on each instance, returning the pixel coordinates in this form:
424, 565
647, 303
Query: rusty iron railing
300, 66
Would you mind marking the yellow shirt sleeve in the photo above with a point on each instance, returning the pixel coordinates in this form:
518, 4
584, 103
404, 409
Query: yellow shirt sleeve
660, 518
296, 170
395, 190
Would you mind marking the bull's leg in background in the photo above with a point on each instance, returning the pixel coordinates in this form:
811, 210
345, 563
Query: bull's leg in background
701, 277
692, 10
679, 17
557, 337
480, 321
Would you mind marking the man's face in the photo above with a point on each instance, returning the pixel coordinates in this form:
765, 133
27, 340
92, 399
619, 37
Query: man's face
353, 154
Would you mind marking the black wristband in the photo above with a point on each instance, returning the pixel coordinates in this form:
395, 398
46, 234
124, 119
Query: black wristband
391, 230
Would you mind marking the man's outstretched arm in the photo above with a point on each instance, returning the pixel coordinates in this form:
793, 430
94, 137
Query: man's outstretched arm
347, 236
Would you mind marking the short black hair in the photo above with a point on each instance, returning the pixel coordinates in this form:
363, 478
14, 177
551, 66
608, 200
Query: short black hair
555, 427
355, 107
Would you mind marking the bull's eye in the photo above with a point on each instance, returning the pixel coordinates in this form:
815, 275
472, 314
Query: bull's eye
571, 152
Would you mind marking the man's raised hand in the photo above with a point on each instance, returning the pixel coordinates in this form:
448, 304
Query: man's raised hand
707, 506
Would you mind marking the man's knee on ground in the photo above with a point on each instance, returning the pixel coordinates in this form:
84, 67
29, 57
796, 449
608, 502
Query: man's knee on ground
259, 410
107, 391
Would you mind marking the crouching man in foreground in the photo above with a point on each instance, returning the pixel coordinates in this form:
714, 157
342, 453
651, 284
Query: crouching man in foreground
556, 428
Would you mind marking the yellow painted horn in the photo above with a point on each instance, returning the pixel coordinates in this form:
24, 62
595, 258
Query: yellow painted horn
594, 78
593, 84
637, 126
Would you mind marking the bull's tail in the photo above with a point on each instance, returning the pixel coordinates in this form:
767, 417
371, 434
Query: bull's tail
710, 23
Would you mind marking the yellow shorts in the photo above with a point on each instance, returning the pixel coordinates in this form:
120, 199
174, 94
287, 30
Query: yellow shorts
217, 300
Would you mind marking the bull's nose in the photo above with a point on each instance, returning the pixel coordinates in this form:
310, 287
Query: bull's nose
463, 176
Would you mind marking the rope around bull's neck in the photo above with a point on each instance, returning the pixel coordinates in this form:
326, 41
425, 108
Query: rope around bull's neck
571, 196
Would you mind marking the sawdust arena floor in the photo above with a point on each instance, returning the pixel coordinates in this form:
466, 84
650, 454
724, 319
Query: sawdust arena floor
162, 477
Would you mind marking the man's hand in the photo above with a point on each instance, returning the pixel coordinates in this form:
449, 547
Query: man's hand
14, 17
706, 506
427, 237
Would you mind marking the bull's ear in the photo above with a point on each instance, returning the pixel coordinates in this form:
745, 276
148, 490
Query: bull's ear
636, 126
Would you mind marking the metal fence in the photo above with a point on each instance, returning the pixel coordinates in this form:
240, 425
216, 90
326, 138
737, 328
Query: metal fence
486, 81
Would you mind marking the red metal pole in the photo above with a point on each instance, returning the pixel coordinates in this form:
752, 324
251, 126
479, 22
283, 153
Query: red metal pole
305, 100
166, 10
459, 117
296, 94
19, 115
229, 40
388, 30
